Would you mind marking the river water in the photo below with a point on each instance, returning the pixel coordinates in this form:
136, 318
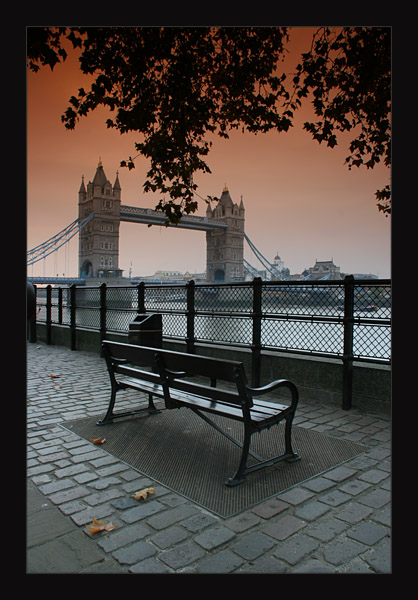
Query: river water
309, 330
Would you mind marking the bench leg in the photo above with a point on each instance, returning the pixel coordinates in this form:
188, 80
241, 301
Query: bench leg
151, 406
292, 457
109, 414
239, 476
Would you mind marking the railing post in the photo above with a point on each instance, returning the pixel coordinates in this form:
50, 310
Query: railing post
348, 321
73, 288
60, 305
32, 321
103, 309
256, 341
141, 298
48, 313
190, 315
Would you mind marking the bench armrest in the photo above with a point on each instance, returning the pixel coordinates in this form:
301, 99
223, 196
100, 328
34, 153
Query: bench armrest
274, 385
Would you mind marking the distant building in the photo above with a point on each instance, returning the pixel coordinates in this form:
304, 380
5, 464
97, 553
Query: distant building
322, 269
278, 263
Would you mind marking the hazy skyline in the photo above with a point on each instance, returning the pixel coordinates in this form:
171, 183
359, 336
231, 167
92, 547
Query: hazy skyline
301, 200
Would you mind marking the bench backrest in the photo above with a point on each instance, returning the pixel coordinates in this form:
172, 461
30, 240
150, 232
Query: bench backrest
176, 369
131, 360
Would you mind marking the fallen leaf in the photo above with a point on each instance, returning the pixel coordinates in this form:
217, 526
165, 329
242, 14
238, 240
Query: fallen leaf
99, 526
142, 494
54, 376
98, 440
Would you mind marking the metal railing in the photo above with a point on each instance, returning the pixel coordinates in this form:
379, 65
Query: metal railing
347, 319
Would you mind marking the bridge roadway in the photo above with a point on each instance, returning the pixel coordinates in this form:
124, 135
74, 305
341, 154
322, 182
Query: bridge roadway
57, 280
134, 214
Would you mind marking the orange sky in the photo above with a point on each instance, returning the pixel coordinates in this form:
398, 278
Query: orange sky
301, 200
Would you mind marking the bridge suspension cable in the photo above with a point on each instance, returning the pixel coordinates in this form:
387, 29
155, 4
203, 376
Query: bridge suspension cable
267, 265
55, 242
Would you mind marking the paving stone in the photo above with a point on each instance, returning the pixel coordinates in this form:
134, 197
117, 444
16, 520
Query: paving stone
170, 536
134, 553
253, 545
269, 508
354, 512
335, 498
296, 495
123, 536
340, 473
284, 527
149, 566
73, 493
326, 529
141, 511
314, 566
376, 499
264, 565
104, 482
293, 550
368, 533
342, 551
198, 522
56, 486
318, 484
84, 517
124, 503
182, 555
242, 522
355, 487
70, 471
380, 557
374, 476
222, 562
169, 517
214, 537
103, 496
311, 510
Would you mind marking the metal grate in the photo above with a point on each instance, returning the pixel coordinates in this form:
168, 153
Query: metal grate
180, 451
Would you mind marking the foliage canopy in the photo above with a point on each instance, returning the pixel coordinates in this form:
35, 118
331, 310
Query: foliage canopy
174, 85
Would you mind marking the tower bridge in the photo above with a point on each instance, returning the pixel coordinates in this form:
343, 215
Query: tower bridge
100, 213
99, 239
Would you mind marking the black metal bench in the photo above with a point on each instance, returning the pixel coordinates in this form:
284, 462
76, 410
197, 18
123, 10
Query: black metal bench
177, 377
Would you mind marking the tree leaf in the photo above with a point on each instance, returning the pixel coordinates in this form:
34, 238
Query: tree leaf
143, 494
99, 526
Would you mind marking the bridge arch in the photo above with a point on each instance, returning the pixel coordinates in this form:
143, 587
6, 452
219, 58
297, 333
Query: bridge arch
219, 276
86, 269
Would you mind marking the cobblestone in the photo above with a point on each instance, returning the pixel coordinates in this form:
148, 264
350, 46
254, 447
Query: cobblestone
336, 522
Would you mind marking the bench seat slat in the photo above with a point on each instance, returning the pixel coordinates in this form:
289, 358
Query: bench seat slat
258, 414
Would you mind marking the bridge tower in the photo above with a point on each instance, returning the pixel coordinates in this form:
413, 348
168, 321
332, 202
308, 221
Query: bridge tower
225, 247
99, 239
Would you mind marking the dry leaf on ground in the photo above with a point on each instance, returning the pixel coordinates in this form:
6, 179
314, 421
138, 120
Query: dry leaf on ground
100, 526
98, 440
143, 494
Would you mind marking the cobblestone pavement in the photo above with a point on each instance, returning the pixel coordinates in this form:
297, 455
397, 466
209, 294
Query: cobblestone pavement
336, 522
